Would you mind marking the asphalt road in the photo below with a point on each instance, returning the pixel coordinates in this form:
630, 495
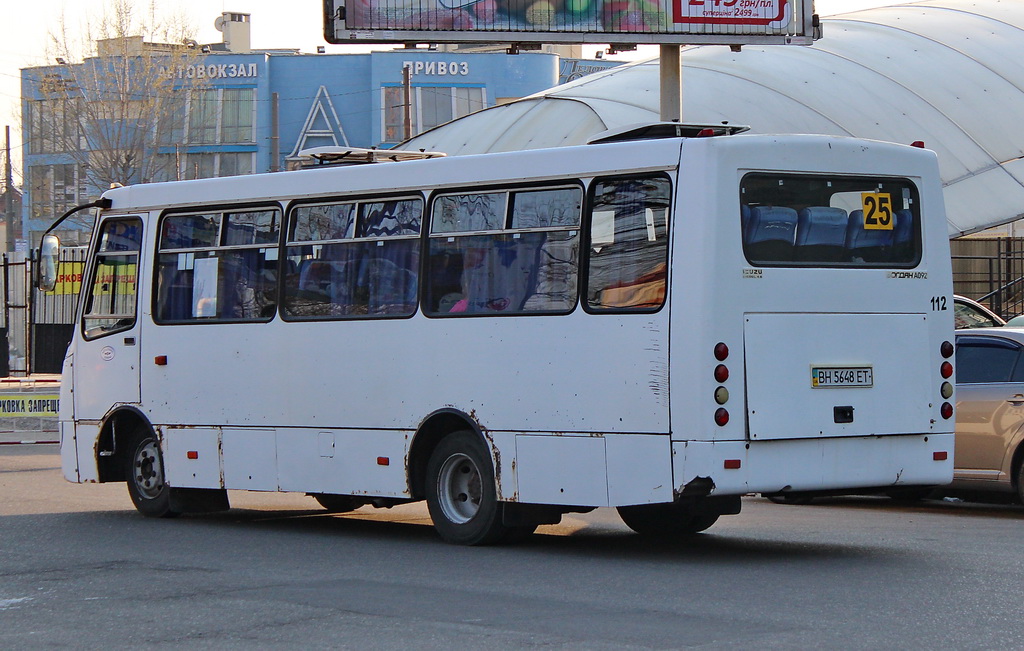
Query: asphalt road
79, 568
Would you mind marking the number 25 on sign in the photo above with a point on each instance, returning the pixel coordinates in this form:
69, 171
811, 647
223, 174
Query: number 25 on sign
877, 208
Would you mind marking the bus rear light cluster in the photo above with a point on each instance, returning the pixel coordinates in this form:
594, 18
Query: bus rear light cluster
721, 374
946, 371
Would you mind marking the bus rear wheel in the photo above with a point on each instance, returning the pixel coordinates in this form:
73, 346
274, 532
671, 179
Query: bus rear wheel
676, 519
147, 484
461, 495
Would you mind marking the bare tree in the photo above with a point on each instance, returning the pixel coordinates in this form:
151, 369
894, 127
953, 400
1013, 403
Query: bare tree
116, 102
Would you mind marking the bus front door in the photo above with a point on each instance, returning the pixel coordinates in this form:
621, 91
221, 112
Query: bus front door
106, 357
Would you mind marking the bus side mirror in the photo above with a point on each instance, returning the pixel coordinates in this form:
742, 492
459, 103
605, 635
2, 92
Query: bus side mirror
49, 251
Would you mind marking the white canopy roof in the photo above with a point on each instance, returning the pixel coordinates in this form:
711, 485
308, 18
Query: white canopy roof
948, 72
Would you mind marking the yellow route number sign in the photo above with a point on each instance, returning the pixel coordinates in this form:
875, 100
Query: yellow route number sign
877, 207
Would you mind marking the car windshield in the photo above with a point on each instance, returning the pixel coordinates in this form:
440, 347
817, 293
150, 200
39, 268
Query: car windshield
968, 315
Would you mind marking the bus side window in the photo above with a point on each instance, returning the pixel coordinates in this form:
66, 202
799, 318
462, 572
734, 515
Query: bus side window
219, 266
527, 265
628, 266
356, 259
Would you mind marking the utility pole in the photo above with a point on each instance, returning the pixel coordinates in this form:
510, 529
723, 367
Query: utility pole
13, 224
275, 132
407, 101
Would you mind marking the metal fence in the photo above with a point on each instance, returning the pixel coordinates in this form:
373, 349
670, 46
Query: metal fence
35, 326
991, 271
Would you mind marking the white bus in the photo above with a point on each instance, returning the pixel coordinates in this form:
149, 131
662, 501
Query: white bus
660, 325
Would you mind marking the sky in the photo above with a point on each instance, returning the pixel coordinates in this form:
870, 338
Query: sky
274, 24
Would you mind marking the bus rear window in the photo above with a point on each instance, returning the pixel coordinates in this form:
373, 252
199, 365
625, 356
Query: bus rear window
805, 220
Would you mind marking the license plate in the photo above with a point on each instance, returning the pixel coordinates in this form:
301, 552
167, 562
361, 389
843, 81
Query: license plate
835, 377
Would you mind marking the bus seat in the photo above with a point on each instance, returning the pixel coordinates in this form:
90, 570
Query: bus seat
903, 236
176, 302
864, 244
744, 218
821, 234
770, 234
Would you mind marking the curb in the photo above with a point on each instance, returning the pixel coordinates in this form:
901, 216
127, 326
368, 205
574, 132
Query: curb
29, 442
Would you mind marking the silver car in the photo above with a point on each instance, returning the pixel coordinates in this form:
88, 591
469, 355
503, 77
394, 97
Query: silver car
989, 454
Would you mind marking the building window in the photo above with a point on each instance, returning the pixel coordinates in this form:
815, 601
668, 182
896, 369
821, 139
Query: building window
54, 189
53, 126
431, 106
221, 116
205, 165
237, 115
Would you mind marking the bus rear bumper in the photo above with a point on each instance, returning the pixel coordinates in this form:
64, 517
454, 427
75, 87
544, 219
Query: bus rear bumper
815, 464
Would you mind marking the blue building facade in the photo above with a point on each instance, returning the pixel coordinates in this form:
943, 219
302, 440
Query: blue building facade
255, 111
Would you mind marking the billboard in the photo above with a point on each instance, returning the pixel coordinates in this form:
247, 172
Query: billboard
727, 22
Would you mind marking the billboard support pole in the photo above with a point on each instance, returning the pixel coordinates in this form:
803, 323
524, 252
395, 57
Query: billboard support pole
671, 78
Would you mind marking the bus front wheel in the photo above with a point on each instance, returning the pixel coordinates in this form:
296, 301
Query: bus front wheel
147, 484
676, 519
461, 495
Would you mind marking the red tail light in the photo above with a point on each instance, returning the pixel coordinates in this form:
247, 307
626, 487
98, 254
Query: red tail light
721, 351
946, 349
946, 370
721, 373
721, 416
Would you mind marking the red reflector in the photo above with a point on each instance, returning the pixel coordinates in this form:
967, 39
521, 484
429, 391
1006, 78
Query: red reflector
721, 351
193, 454
946, 410
383, 461
732, 464
721, 416
940, 456
721, 373
161, 360
918, 143
704, 133
946, 370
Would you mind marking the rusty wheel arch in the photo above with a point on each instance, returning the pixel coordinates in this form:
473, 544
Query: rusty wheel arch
428, 435
112, 446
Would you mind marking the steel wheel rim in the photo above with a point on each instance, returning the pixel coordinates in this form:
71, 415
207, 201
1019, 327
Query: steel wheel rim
148, 473
459, 488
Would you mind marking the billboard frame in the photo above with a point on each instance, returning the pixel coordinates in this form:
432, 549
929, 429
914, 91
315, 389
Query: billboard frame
802, 31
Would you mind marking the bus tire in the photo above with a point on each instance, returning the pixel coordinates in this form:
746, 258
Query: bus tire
144, 473
674, 519
460, 490
337, 503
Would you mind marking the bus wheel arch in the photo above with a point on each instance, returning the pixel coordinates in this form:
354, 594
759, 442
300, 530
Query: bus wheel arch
119, 429
431, 432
